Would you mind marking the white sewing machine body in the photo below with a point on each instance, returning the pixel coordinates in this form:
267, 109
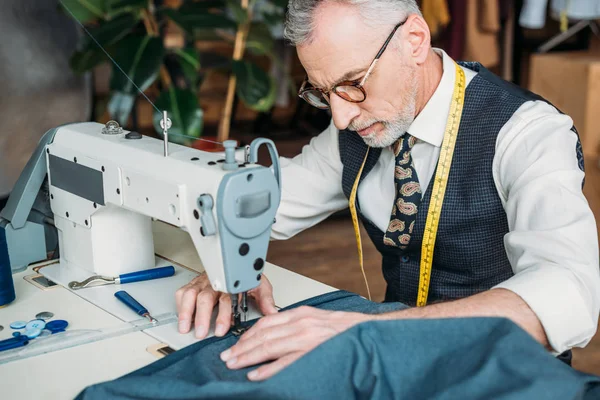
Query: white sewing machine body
106, 185
105, 188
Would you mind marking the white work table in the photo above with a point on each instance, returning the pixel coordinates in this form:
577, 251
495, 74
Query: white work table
91, 313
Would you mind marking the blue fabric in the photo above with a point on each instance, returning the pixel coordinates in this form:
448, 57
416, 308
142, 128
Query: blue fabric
475, 358
469, 254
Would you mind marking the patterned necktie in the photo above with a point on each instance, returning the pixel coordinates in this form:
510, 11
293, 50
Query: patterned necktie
408, 195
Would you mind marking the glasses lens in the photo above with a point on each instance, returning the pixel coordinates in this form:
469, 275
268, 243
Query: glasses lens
350, 93
316, 98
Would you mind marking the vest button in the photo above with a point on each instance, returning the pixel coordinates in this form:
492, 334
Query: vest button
405, 259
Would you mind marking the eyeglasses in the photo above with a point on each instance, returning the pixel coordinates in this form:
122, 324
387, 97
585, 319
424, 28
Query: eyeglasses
352, 91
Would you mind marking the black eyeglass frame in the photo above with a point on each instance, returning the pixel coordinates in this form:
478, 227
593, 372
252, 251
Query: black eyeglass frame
357, 83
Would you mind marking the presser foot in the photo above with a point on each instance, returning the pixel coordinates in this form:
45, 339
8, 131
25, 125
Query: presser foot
239, 312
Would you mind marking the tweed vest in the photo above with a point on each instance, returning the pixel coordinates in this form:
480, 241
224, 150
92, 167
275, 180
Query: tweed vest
469, 254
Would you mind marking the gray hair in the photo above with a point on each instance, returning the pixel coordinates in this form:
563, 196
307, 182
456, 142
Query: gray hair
299, 24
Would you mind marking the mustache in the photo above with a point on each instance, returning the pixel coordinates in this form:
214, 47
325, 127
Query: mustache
359, 126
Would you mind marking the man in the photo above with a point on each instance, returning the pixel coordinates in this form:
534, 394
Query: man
516, 237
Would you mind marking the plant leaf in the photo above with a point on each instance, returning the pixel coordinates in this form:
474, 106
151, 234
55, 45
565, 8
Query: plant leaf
260, 41
140, 57
82, 61
117, 7
190, 22
254, 86
120, 105
106, 34
183, 110
110, 32
84, 10
189, 60
189, 7
280, 3
236, 11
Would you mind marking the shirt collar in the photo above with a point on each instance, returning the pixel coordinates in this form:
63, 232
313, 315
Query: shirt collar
430, 123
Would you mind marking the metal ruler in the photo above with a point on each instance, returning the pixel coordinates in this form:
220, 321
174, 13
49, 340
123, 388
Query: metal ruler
439, 185
437, 195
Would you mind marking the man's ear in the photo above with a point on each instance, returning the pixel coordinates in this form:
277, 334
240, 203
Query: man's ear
417, 34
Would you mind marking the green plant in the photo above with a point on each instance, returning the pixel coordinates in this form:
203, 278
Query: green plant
133, 33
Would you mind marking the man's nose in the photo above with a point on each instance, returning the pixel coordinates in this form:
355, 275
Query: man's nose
342, 111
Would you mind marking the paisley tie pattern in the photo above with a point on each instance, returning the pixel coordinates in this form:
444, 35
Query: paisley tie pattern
408, 195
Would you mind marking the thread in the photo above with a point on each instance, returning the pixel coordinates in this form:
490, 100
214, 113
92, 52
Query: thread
7, 287
127, 76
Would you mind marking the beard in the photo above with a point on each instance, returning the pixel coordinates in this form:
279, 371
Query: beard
394, 128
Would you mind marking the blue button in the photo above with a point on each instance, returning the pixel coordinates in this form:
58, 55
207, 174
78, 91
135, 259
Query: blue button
33, 333
16, 334
18, 324
57, 325
36, 324
405, 259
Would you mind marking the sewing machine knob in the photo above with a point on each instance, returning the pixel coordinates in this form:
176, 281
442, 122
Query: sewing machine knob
112, 128
205, 203
230, 163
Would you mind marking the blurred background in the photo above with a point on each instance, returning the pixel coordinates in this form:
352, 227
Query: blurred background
222, 71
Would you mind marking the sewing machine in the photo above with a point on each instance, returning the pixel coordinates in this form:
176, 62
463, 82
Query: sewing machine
105, 185
112, 202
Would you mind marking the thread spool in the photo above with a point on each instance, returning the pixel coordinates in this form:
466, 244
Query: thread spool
7, 287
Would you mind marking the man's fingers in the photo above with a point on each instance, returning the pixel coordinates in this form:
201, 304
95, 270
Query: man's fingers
268, 370
185, 299
263, 351
267, 322
264, 337
224, 316
185, 307
263, 295
205, 302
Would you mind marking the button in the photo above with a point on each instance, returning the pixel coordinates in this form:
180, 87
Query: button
35, 324
33, 333
258, 264
1, 328
18, 324
45, 315
57, 325
16, 334
133, 135
405, 259
244, 249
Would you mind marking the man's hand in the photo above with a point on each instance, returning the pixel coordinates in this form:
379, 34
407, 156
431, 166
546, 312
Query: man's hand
285, 337
200, 297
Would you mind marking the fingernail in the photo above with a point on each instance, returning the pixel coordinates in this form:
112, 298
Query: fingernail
253, 374
220, 330
200, 332
231, 362
184, 326
225, 355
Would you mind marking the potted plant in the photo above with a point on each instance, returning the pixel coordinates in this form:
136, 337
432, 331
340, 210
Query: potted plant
133, 32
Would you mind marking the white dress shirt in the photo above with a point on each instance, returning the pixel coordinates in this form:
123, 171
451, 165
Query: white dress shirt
552, 243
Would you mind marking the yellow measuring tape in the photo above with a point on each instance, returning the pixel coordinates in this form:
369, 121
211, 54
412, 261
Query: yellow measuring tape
437, 195
352, 205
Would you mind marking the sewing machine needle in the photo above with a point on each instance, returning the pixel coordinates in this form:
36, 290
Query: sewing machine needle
235, 311
245, 305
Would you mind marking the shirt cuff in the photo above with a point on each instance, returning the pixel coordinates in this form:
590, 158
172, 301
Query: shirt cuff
555, 296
